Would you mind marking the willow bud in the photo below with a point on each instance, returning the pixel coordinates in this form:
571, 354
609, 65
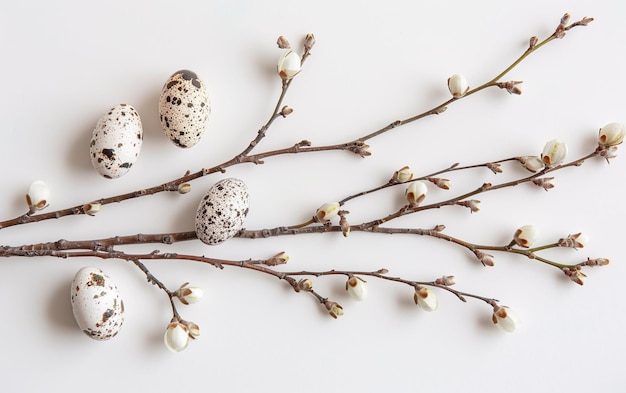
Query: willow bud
288, 64
457, 84
525, 236
416, 192
38, 196
357, 288
425, 298
611, 134
554, 152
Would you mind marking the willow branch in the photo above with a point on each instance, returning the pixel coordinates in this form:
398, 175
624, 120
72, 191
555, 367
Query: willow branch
534, 46
357, 146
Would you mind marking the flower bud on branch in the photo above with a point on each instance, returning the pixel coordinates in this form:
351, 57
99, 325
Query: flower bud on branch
504, 318
357, 288
38, 196
425, 298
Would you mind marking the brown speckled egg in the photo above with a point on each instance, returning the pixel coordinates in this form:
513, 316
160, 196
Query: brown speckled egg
116, 141
184, 108
222, 211
96, 303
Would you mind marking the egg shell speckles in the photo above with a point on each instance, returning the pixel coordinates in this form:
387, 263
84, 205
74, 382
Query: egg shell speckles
116, 141
222, 211
184, 108
96, 303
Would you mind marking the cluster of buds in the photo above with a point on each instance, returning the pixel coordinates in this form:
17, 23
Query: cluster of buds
290, 63
178, 334
178, 331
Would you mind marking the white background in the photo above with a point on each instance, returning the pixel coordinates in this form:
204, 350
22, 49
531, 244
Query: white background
65, 63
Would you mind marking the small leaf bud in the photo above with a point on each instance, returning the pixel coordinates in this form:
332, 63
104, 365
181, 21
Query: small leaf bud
444, 184
305, 285
334, 309
283, 43
343, 222
286, 111
597, 262
511, 86
184, 188
309, 42
545, 182
484, 258
279, 259
92, 208
531, 163
472, 204
446, 280
194, 329
577, 240
576, 275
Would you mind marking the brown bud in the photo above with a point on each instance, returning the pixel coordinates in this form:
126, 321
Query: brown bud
283, 43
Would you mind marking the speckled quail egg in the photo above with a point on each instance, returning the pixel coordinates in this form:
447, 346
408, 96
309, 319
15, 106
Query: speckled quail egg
96, 303
116, 141
184, 108
222, 211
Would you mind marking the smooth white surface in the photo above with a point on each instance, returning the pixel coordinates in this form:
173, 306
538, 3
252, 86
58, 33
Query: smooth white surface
65, 63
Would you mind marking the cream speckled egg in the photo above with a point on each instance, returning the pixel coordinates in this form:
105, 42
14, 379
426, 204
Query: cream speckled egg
96, 303
184, 108
222, 211
116, 141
